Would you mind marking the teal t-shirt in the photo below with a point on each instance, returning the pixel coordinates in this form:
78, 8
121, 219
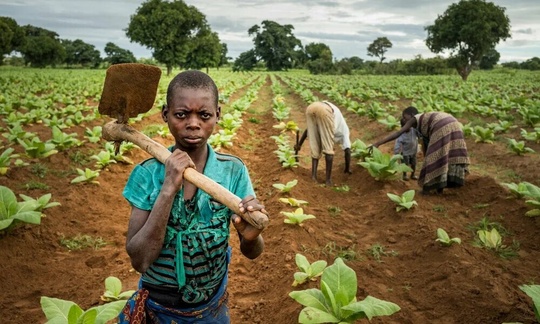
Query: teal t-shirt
194, 255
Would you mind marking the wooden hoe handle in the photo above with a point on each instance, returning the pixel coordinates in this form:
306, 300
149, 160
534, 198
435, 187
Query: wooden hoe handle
114, 131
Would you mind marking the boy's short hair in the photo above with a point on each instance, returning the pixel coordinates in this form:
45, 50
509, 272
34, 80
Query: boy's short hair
192, 79
412, 111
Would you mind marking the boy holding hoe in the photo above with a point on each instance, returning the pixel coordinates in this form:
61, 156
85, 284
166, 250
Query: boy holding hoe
178, 236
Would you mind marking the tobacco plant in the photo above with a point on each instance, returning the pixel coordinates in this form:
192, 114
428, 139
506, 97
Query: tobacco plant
519, 147
359, 150
445, 239
284, 188
93, 135
62, 140
308, 271
384, 166
67, 312
297, 217
86, 175
13, 211
113, 290
405, 201
483, 135
35, 148
293, 202
336, 301
531, 136
42, 202
103, 159
5, 160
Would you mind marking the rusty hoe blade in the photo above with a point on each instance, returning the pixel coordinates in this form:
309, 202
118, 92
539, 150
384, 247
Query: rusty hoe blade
130, 89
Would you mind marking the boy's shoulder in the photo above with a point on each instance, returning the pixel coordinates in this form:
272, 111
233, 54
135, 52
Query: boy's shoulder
224, 157
150, 163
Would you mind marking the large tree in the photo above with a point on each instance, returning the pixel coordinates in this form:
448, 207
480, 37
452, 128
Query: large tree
168, 28
379, 47
79, 52
319, 58
11, 36
223, 59
246, 61
468, 30
117, 55
275, 44
205, 50
41, 47
489, 60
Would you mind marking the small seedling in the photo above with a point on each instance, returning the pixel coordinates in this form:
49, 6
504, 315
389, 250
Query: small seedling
296, 217
308, 271
103, 159
86, 175
443, 237
13, 211
405, 201
293, 202
518, 190
377, 252
42, 202
490, 239
343, 188
113, 290
65, 311
283, 188
334, 210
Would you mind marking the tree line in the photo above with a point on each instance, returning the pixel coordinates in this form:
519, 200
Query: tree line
179, 36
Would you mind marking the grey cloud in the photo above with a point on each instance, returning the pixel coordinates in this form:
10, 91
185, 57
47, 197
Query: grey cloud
527, 31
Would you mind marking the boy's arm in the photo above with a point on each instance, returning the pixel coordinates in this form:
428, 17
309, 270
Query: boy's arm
251, 241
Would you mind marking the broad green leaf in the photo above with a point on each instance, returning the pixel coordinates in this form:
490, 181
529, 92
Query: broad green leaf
394, 198
109, 311
408, 195
32, 217
442, 235
302, 262
533, 213
310, 298
88, 317
74, 314
310, 315
113, 285
56, 308
300, 278
341, 280
317, 268
533, 291
372, 306
7, 198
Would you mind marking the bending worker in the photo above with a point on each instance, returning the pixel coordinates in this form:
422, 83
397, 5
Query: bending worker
325, 125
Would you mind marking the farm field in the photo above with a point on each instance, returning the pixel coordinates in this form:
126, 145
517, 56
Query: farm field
394, 254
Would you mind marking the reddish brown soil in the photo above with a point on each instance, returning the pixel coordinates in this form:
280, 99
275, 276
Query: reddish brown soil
431, 283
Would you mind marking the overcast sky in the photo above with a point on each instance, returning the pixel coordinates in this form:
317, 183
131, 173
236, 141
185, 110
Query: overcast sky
347, 26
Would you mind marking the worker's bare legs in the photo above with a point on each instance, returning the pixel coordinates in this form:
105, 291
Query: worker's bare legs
314, 165
329, 159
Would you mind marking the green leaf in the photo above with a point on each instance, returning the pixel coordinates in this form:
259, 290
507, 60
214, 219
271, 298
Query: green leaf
394, 198
108, 311
74, 314
312, 315
300, 278
302, 262
341, 281
408, 195
533, 291
317, 268
88, 317
442, 235
311, 298
56, 309
533, 213
113, 285
372, 306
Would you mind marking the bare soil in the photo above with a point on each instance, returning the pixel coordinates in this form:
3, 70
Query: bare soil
431, 283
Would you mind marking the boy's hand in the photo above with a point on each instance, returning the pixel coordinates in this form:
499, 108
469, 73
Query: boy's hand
248, 232
174, 168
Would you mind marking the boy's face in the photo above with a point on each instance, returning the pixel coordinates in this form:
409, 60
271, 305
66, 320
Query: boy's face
191, 117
